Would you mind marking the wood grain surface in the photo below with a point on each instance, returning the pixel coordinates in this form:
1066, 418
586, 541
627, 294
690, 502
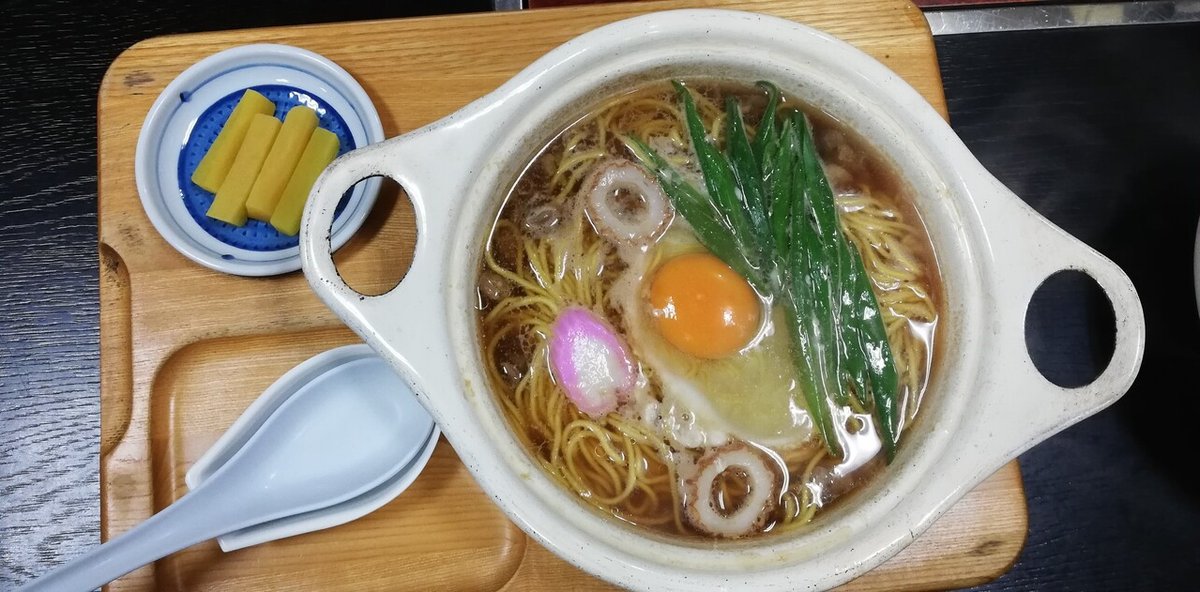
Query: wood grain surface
181, 362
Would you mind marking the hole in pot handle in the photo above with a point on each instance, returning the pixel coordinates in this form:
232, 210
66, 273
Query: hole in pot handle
405, 325
1017, 407
1069, 329
316, 253
1128, 341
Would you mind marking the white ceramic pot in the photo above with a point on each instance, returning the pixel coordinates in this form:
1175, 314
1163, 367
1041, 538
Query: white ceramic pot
986, 402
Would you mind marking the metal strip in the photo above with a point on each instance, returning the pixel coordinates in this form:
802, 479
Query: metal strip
1030, 17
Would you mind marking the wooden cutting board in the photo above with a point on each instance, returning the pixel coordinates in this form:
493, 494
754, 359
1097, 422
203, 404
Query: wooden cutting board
185, 350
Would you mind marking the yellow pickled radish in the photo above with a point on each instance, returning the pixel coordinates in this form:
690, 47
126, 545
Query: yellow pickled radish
321, 149
213, 168
230, 203
297, 128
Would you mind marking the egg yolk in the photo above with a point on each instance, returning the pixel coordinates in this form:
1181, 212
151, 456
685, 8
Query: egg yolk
703, 307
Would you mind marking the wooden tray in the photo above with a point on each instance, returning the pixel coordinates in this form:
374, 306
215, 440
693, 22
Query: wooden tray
185, 349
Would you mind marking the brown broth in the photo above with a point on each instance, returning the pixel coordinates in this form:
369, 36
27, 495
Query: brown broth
537, 209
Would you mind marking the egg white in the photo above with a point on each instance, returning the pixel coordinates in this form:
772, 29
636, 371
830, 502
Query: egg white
753, 395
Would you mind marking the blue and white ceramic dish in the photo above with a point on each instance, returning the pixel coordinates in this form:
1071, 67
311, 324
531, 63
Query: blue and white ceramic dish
186, 118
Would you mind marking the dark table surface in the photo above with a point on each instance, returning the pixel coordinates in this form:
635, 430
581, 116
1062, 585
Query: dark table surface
1098, 129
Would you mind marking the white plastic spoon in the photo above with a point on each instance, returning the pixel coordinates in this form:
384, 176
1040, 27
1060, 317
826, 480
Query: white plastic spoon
331, 441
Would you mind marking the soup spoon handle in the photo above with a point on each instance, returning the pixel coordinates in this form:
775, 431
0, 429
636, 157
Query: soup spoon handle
200, 515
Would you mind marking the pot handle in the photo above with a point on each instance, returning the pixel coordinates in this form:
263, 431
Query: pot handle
405, 324
1020, 407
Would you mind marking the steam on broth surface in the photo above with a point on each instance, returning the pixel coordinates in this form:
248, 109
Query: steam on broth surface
674, 334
